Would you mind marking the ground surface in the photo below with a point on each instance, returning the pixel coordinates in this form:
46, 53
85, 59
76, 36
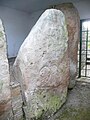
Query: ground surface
77, 106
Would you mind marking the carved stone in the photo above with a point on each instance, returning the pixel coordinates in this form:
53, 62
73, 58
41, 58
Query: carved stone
42, 65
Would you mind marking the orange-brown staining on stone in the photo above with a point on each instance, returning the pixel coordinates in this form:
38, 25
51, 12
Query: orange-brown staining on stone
73, 26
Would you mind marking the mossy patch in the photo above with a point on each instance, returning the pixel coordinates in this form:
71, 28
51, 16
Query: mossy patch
45, 103
1, 34
1, 85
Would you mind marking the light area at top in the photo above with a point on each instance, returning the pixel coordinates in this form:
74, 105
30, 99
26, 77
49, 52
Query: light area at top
86, 25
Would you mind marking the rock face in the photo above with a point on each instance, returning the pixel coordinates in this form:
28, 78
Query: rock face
16, 96
42, 65
73, 26
5, 103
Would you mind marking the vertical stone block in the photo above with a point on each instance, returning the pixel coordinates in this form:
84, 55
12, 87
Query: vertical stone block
42, 65
5, 103
73, 26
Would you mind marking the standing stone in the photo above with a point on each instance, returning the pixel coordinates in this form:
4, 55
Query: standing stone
42, 65
73, 26
5, 103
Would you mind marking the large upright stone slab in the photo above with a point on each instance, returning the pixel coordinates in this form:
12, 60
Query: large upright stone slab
42, 65
5, 103
73, 26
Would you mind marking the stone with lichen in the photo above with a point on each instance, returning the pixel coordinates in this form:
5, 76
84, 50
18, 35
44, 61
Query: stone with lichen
42, 65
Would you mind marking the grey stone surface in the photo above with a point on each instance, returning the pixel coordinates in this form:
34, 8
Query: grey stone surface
5, 95
42, 65
16, 96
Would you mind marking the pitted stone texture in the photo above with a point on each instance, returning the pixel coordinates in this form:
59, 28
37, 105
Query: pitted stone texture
16, 96
73, 26
42, 65
5, 95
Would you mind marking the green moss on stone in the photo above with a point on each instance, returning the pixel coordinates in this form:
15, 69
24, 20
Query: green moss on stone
1, 34
1, 85
44, 102
54, 102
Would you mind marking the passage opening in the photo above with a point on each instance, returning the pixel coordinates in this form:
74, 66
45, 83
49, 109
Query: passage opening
84, 56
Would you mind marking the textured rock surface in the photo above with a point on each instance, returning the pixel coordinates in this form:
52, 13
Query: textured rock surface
5, 103
73, 26
42, 65
16, 97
